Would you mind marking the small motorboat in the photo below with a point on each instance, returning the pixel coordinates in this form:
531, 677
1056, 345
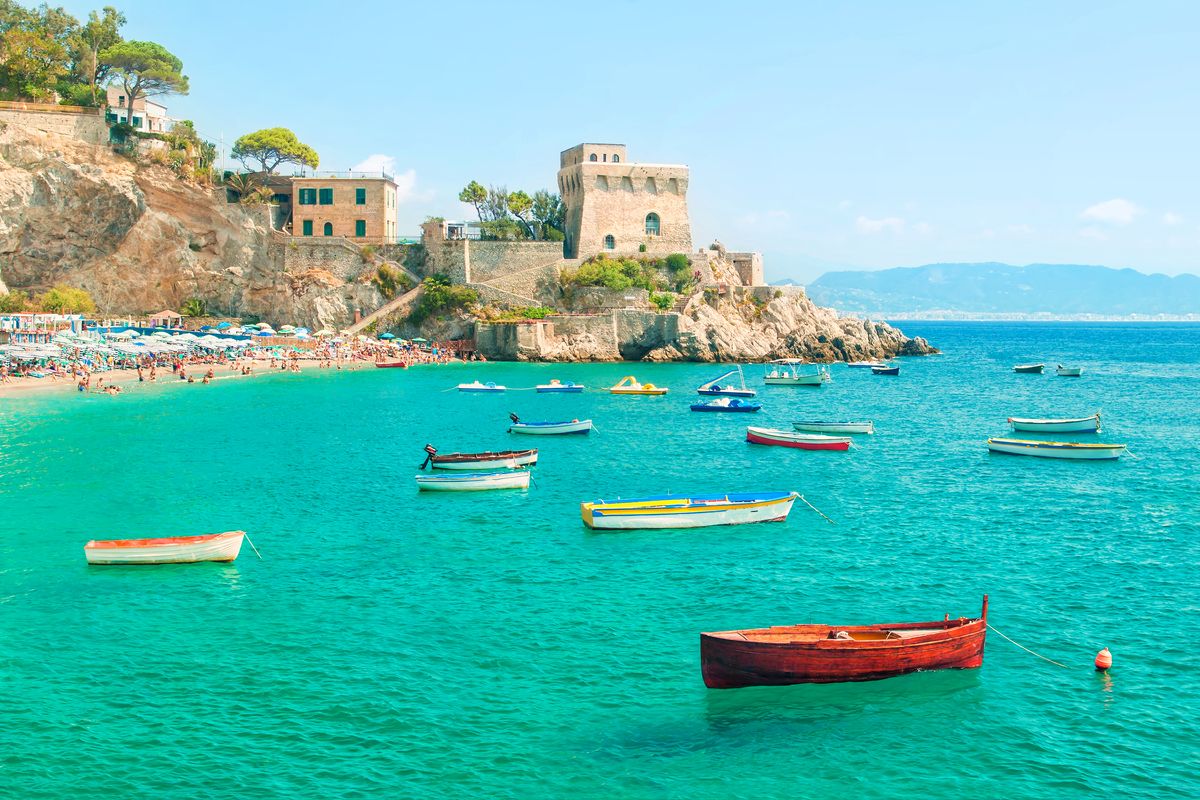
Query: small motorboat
166, 550
391, 364
788, 374
473, 462
800, 441
1079, 425
1042, 449
569, 387
818, 426
865, 364
1029, 369
583, 426
886, 369
790, 654
726, 404
714, 387
1069, 372
474, 481
687, 511
630, 385
476, 386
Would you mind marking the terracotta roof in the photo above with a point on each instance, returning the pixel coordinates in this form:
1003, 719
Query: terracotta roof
168, 313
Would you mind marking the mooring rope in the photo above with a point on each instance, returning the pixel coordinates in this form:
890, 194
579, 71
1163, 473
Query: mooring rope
814, 508
252, 547
1026, 649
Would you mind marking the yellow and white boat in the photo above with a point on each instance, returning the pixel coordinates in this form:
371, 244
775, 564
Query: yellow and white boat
687, 511
630, 385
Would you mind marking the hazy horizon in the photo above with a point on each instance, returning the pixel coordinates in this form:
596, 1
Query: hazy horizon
846, 137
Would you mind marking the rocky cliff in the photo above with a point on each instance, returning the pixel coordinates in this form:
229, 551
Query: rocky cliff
139, 239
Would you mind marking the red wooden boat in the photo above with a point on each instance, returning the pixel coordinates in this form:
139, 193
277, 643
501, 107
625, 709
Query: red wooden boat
790, 654
386, 364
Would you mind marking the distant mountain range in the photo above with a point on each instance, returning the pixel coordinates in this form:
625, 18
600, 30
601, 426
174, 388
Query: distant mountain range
999, 289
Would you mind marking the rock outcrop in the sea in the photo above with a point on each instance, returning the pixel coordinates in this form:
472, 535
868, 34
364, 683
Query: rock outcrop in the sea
139, 239
763, 323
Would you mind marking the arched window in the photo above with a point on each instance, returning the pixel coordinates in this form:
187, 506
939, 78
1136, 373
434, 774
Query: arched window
329, 227
616, 158
610, 243
592, 157
652, 224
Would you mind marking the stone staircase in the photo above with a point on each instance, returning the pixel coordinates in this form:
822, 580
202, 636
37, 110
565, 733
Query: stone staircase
399, 304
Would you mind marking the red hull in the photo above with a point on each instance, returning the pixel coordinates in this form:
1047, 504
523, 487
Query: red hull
756, 439
804, 653
387, 364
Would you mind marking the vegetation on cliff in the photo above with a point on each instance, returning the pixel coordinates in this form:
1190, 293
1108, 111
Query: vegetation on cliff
441, 298
513, 216
48, 55
271, 147
619, 273
61, 299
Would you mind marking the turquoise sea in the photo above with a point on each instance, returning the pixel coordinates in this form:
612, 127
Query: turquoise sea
396, 644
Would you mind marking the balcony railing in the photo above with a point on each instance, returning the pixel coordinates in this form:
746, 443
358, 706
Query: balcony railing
344, 174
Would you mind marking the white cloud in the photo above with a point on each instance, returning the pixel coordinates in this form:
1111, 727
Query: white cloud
376, 162
1171, 218
923, 229
406, 182
1020, 230
1092, 232
1117, 211
868, 225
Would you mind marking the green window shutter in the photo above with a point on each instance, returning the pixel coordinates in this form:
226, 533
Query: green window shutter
360, 197
307, 226
360, 227
308, 197
326, 197
329, 228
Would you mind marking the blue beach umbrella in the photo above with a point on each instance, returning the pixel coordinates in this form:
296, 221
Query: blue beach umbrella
264, 333
387, 336
223, 325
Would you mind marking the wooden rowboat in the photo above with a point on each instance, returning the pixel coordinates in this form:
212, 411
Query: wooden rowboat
583, 426
391, 364
474, 481
800, 441
1069, 372
167, 550
1079, 425
629, 385
1041, 449
885, 370
1029, 369
727, 404
818, 426
500, 459
790, 654
687, 511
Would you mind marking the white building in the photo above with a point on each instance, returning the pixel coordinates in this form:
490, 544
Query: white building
147, 116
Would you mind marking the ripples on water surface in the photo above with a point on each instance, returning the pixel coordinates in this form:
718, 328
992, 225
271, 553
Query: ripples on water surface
406, 645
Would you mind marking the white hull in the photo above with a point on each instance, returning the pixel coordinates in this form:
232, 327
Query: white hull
473, 483
865, 364
582, 426
1069, 372
223, 548
1084, 425
799, 380
660, 521
491, 463
1056, 449
479, 387
835, 427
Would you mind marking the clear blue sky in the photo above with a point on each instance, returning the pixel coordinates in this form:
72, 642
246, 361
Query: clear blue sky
823, 134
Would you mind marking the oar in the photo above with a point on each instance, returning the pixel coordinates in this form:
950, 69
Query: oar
252, 547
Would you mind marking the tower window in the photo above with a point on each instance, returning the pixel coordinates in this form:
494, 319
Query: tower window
652, 224
616, 158
610, 243
360, 227
592, 157
328, 229
606, 156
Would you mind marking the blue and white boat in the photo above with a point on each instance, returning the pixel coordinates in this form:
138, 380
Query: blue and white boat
480, 387
474, 481
687, 511
555, 386
714, 387
727, 404
583, 426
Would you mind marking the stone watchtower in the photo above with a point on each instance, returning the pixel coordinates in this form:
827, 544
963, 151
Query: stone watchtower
615, 206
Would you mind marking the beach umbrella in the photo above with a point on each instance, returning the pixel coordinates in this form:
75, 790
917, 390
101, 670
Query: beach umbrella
419, 339
206, 327
265, 333
387, 336
363, 338
286, 328
324, 332
305, 331
263, 325
223, 325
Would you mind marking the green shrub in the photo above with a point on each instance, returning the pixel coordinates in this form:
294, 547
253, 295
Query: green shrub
390, 281
367, 253
14, 302
642, 247
613, 273
440, 298
662, 300
63, 299
192, 307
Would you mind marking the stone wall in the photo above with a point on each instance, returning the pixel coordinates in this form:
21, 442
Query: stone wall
449, 258
335, 256
87, 126
599, 298
639, 332
492, 260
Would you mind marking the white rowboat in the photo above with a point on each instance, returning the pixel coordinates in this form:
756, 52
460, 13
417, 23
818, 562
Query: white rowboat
1075, 450
1080, 425
474, 481
834, 427
552, 428
167, 550
684, 511
1069, 372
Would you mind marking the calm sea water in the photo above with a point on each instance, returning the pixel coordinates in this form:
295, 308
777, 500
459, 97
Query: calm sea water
396, 644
